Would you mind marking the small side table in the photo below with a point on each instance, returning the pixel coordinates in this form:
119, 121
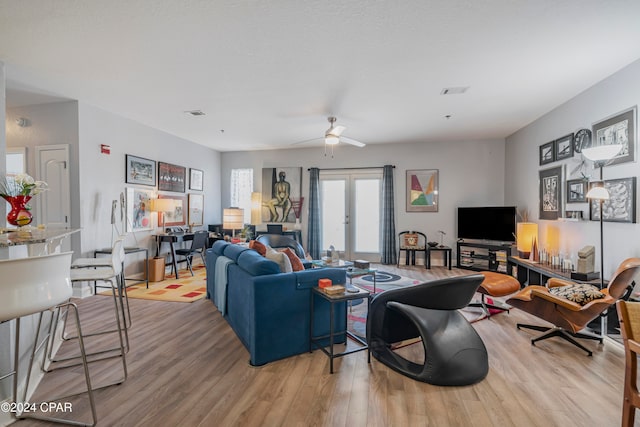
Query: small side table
447, 255
359, 272
333, 299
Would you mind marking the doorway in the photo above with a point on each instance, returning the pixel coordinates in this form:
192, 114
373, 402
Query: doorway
351, 206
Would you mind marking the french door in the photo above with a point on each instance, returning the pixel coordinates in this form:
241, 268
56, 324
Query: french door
350, 204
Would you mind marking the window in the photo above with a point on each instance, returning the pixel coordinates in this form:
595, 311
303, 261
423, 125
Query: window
241, 188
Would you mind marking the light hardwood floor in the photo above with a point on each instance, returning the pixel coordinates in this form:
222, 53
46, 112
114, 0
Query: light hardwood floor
188, 368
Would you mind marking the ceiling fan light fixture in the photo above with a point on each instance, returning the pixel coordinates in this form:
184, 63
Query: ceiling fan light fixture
331, 139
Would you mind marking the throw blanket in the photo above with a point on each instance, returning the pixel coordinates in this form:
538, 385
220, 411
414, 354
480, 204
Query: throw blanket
220, 284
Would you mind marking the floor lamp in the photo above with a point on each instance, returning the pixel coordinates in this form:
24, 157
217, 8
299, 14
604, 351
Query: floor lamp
600, 155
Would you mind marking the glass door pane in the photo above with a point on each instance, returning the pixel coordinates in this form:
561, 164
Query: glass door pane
366, 221
332, 201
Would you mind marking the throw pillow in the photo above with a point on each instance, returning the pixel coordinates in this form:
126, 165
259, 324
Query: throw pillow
258, 247
579, 293
280, 258
296, 264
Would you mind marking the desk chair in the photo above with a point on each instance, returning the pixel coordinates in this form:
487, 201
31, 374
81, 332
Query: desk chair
274, 228
34, 285
198, 246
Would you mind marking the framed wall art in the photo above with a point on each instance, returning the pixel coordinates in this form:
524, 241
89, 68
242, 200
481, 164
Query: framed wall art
171, 177
422, 190
564, 147
179, 214
619, 129
621, 206
140, 171
576, 191
547, 153
550, 193
196, 179
196, 209
280, 188
137, 209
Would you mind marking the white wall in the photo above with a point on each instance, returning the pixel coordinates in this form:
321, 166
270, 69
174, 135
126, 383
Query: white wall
471, 174
102, 177
614, 94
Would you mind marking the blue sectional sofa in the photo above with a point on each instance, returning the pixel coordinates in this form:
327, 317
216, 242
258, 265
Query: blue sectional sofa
269, 310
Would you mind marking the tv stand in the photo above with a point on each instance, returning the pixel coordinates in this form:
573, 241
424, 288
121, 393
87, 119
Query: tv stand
482, 256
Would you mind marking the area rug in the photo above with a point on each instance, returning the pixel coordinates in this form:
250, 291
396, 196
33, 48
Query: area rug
384, 281
185, 289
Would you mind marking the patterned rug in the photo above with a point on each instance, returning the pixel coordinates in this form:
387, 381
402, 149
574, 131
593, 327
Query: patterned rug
186, 289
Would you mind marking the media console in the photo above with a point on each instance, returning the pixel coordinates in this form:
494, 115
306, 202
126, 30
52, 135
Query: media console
481, 256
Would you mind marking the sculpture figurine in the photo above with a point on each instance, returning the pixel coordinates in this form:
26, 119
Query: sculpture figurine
586, 259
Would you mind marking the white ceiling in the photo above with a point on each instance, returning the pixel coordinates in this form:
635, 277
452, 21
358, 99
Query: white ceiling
270, 72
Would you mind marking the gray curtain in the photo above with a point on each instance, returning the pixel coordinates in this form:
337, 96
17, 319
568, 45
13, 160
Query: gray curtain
313, 226
389, 254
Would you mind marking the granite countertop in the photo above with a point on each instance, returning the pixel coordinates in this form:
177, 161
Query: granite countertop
32, 235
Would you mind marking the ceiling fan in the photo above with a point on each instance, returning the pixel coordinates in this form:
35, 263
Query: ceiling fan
333, 136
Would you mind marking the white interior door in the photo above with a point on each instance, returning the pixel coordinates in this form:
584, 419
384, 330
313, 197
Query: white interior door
350, 205
54, 208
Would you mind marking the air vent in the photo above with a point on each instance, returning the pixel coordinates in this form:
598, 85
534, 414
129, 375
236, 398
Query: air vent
195, 112
454, 90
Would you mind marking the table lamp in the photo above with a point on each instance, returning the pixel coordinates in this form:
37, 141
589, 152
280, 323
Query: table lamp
161, 206
526, 235
233, 219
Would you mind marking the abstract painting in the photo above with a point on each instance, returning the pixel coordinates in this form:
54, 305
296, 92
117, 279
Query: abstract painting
138, 213
422, 190
621, 206
550, 193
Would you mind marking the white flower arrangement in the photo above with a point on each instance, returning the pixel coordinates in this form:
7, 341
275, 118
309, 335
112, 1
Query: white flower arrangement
21, 185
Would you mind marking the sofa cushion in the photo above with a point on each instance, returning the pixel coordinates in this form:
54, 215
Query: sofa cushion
580, 293
280, 258
257, 265
219, 246
232, 251
296, 263
258, 246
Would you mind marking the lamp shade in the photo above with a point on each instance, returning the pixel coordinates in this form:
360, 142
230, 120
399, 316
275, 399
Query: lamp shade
526, 235
256, 208
331, 139
162, 205
598, 191
602, 152
233, 218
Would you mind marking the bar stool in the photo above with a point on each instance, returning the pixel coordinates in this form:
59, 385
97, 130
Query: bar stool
30, 286
107, 262
111, 275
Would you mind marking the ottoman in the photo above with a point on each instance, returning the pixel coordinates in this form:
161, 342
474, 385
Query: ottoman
495, 285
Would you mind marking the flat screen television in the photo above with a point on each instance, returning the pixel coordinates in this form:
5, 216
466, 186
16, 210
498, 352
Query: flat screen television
497, 223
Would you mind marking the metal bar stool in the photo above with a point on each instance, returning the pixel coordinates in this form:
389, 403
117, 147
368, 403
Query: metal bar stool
34, 285
112, 275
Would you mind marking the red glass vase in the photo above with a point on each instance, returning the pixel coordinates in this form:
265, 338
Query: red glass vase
19, 214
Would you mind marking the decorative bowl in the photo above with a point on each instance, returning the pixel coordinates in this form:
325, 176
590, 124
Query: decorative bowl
433, 244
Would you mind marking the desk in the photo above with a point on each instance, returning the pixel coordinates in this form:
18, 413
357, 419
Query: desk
172, 238
333, 299
447, 255
128, 251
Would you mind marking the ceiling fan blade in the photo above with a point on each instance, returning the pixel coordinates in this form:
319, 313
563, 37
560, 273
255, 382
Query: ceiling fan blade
352, 141
309, 141
336, 130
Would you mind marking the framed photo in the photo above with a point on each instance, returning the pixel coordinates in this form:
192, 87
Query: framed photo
619, 129
564, 147
140, 171
179, 214
573, 214
547, 153
621, 206
137, 211
551, 193
196, 209
576, 191
422, 190
196, 178
171, 177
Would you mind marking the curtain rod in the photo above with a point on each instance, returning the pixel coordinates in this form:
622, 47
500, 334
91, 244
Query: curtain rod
341, 169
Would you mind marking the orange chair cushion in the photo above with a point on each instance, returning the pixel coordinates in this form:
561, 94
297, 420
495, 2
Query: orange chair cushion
498, 285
